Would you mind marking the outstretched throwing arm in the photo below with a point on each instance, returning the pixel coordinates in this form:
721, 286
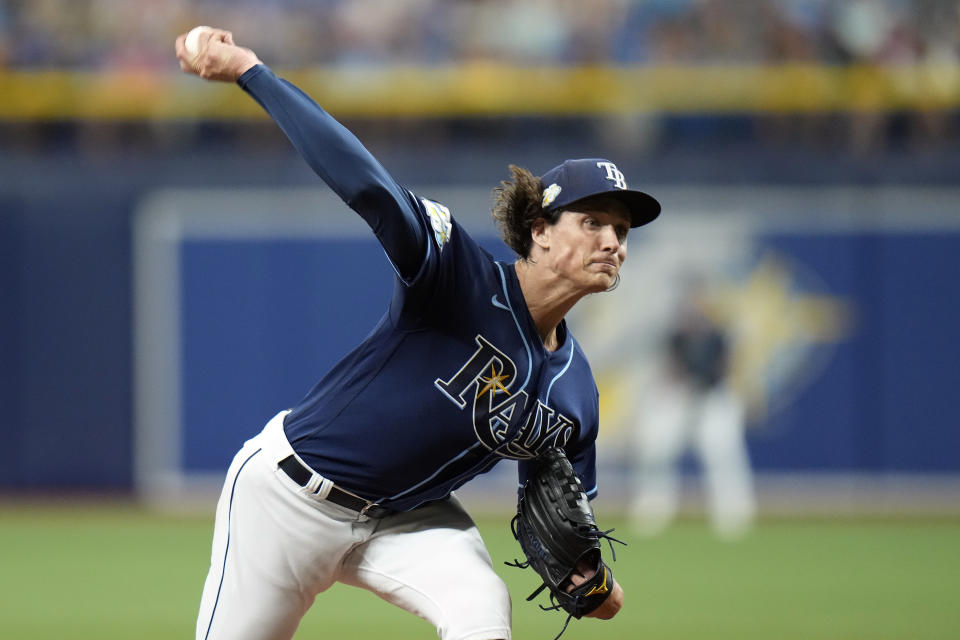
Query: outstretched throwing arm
331, 150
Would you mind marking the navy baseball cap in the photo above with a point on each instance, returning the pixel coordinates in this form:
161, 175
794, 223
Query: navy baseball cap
575, 180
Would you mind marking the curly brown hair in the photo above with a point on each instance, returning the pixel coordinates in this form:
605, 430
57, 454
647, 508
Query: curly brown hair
517, 206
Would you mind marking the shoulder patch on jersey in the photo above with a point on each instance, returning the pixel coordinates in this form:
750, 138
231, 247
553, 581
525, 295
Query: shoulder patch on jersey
440, 221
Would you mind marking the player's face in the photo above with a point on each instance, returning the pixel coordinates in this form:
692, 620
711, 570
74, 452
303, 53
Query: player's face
588, 244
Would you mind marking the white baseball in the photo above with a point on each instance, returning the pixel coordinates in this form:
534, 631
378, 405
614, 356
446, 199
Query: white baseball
192, 42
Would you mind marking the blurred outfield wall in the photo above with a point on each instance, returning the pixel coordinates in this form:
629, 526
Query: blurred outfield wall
840, 303
863, 386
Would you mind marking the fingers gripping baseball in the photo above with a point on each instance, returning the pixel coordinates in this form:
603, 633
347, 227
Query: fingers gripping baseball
212, 54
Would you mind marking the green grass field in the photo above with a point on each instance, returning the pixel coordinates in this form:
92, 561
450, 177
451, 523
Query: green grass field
122, 572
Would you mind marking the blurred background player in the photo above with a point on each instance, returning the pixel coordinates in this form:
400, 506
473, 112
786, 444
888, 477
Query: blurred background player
690, 405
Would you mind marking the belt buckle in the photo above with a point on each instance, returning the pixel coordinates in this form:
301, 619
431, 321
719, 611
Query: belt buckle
367, 507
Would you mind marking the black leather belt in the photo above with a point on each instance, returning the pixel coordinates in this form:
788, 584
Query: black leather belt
301, 475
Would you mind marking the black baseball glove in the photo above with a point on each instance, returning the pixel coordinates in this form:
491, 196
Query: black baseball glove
558, 534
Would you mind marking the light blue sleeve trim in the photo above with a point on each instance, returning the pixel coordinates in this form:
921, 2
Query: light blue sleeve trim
546, 400
523, 337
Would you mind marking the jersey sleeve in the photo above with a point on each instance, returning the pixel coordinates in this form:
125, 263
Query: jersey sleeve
585, 464
338, 157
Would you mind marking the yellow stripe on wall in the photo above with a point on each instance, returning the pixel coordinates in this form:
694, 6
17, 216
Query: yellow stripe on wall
488, 89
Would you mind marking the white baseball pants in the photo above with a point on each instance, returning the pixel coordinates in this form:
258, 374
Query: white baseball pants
275, 547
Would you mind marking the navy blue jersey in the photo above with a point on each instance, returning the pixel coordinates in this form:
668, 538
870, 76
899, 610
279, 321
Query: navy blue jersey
455, 376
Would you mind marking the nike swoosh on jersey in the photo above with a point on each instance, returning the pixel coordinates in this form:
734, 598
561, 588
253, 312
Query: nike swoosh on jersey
497, 303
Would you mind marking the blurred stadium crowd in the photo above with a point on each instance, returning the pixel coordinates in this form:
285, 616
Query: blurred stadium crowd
881, 75
109, 34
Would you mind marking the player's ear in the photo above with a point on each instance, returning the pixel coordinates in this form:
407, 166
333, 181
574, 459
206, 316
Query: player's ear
540, 233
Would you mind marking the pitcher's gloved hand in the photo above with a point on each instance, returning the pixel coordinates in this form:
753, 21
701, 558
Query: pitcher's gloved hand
556, 529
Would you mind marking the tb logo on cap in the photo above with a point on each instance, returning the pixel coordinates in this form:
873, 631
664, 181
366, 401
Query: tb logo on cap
614, 175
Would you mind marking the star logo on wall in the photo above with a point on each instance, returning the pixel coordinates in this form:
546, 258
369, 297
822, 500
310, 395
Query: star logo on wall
776, 326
